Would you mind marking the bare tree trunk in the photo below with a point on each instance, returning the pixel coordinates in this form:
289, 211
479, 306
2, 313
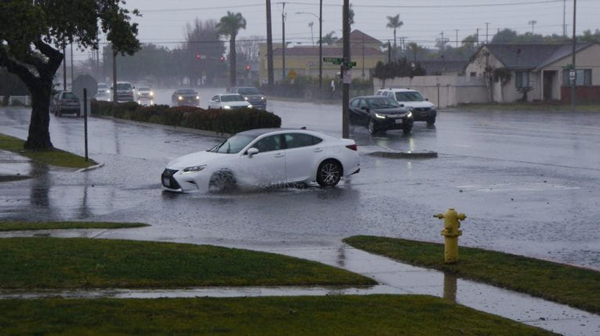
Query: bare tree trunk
39, 134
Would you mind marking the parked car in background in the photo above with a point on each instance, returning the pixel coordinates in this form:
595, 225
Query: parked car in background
251, 95
228, 101
421, 108
264, 157
185, 97
104, 93
145, 95
380, 114
65, 102
125, 92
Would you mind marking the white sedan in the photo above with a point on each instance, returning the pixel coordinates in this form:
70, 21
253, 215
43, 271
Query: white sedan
228, 101
264, 157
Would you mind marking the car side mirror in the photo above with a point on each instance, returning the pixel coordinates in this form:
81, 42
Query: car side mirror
401, 105
252, 151
427, 99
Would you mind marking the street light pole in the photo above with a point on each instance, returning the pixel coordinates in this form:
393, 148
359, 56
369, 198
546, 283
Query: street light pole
345, 71
574, 81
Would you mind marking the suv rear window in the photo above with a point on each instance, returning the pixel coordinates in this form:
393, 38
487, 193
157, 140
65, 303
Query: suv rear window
69, 95
409, 96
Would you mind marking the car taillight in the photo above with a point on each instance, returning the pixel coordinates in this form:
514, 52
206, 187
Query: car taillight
353, 147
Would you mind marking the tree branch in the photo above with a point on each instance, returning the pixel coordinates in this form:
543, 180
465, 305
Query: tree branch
26, 76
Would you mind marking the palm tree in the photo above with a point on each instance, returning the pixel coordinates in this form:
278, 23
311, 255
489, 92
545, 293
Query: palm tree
415, 49
229, 25
394, 23
329, 39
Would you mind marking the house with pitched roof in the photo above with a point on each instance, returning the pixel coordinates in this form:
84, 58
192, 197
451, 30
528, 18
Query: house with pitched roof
531, 72
304, 60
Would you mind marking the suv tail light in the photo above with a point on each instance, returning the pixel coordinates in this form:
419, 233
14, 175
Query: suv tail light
353, 147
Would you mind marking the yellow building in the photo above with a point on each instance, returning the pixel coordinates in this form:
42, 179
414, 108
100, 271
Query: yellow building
304, 60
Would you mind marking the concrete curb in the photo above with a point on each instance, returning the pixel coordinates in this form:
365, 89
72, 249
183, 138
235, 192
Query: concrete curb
100, 165
405, 155
167, 127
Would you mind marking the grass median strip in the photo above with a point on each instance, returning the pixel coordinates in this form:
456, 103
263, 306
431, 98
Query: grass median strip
55, 263
55, 157
574, 286
327, 315
23, 226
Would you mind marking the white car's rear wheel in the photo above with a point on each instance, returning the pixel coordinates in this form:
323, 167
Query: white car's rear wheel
329, 173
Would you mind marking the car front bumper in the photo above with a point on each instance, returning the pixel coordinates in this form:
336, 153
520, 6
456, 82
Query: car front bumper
393, 123
422, 114
177, 181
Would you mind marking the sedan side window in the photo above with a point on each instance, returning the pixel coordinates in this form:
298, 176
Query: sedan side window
354, 103
295, 140
268, 144
215, 98
363, 103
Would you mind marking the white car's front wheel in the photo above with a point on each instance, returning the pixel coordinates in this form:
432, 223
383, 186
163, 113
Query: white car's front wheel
222, 181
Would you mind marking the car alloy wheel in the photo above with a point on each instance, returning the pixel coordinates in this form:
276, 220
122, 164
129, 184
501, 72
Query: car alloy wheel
371, 127
431, 121
329, 174
222, 181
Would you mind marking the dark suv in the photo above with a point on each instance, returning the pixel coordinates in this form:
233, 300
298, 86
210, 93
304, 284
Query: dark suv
252, 96
380, 114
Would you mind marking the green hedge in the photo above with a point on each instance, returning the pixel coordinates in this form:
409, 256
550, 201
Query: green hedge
221, 121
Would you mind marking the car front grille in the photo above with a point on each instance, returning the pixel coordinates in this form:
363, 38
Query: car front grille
421, 109
167, 179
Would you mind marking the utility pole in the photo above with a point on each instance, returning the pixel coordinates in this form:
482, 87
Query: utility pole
346, 71
363, 57
114, 52
532, 23
64, 66
72, 65
320, 44
270, 76
477, 37
565, 19
389, 51
487, 24
457, 38
283, 41
574, 80
312, 36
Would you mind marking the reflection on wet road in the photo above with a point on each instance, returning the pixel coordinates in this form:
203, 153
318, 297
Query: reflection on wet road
525, 179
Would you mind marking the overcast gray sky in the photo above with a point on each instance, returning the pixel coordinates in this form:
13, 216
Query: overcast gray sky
163, 21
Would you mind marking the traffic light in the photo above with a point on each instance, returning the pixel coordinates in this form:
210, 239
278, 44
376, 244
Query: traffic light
247, 67
222, 58
199, 56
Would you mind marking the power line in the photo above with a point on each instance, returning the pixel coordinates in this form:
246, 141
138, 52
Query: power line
437, 6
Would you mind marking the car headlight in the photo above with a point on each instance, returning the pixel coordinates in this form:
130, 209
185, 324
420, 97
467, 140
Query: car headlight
245, 98
194, 169
380, 116
151, 93
262, 97
409, 115
249, 105
180, 98
197, 97
227, 107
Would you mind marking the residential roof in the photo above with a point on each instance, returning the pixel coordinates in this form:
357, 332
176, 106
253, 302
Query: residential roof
530, 56
358, 37
327, 51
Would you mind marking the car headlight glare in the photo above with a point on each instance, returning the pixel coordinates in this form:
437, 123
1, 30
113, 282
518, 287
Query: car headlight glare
245, 98
250, 106
227, 107
151, 93
380, 116
194, 169
263, 98
180, 98
197, 97
409, 115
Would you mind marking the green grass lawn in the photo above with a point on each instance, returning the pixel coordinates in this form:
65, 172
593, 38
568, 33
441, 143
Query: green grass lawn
574, 286
55, 263
327, 315
22, 226
55, 157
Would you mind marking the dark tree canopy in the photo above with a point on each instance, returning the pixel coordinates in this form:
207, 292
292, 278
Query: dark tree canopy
33, 32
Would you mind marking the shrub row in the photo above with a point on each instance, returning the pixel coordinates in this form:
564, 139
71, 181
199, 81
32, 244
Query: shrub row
221, 121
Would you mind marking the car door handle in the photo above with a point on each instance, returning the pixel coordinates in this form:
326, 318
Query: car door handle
318, 150
278, 155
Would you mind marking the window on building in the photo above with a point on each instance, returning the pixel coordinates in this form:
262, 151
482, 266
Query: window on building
522, 79
583, 77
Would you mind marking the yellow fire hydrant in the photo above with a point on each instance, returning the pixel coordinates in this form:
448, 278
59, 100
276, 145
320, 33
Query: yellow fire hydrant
451, 233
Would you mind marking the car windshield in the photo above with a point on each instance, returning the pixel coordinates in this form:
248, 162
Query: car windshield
409, 96
144, 89
382, 103
248, 91
186, 92
69, 95
123, 86
102, 86
233, 145
231, 98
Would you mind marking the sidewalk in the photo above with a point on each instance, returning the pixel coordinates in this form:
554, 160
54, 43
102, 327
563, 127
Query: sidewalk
394, 278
